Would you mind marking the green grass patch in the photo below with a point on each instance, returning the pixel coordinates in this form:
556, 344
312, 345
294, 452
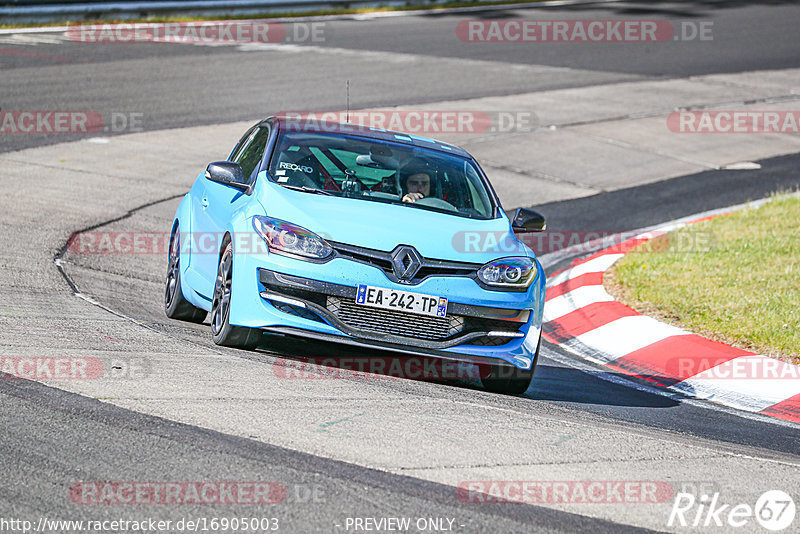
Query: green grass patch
735, 278
274, 15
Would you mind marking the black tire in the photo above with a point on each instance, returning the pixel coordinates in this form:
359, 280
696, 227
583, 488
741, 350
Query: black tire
221, 330
510, 380
175, 305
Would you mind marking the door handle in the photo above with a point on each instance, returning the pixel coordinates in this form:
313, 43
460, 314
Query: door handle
204, 202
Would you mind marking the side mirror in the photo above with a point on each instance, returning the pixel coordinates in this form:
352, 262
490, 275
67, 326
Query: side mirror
526, 220
227, 173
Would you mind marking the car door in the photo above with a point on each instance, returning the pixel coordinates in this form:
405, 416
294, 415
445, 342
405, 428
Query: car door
217, 204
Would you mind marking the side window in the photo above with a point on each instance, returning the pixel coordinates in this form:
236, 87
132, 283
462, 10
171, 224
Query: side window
249, 153
241, 144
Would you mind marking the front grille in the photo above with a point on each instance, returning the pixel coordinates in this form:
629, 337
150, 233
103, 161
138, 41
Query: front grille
379, 259
442, 269
383, 261
339, 302
491, 341
394, 322
484, 324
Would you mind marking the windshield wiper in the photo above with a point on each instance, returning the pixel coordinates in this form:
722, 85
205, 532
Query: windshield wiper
306, 189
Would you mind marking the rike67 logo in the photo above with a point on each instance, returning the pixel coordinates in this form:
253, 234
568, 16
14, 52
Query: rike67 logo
774, 510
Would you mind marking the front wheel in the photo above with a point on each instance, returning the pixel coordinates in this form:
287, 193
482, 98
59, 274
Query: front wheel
222, 331
510, 380
175, 305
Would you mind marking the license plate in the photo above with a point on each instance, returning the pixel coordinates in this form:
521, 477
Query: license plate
395, 299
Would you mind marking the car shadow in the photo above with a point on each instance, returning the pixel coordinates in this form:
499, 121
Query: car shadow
299, 358
565, 384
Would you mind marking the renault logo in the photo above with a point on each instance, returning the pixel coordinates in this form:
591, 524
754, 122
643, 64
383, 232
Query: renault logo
406, 261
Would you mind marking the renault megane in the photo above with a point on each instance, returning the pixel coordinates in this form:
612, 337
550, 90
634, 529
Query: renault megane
360, 236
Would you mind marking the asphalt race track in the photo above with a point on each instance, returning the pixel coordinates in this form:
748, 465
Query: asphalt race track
183, 409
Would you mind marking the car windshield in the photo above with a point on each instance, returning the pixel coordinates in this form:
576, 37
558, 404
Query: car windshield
380, 171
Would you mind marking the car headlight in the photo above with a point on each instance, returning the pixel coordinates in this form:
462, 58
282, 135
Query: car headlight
287, 238
509, 273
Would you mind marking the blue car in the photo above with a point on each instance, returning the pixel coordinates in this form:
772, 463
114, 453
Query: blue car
359, 236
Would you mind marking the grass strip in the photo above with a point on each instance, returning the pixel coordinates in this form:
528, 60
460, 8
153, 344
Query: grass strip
735, 278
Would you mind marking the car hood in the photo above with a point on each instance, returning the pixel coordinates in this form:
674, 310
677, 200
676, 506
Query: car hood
382, 226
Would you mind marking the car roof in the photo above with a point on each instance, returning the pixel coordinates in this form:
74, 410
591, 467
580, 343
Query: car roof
315, 125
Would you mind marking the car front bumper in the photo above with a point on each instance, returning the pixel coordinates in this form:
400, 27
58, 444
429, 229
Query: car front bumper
317, 301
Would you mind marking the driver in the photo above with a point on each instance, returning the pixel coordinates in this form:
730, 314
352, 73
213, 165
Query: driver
418, 186
416, 181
